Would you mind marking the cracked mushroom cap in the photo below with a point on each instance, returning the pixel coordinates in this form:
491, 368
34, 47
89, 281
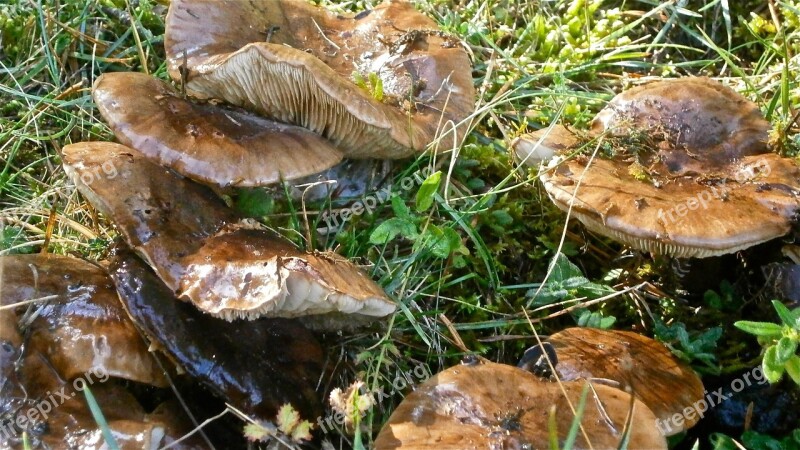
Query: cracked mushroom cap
206, 254
84, 327
211, 144
294, 62
636, 364
486, 405
696, 182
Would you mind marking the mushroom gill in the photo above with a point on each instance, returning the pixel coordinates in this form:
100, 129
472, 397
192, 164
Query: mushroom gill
294, 62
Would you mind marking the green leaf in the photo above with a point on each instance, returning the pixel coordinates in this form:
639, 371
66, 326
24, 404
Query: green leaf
392, 228
772, 370
792, 367
765, 329
786, 316
785, 349
427, 191
400, 209
435, 241
287, 419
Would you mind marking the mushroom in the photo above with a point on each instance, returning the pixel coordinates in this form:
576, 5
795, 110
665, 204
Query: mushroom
294, 62
82, 327
634, 363
695, 181
37, 400
206, 254
483, 405
542, 145
209, 143
256, 365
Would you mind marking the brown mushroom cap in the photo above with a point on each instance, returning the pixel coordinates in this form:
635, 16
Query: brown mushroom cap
255, 365
637, 364
487, 405
84, 329
178, 227
294, 62
211, 144
540, 146
689, 192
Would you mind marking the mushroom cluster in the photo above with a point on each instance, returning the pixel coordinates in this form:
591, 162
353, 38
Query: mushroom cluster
267, 91
689, 175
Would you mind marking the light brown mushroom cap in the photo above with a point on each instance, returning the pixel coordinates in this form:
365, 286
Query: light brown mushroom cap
532, 149
703, 194
488, 406
636, 364
303, 75
210, 144
249, 273
205, 253
84, 328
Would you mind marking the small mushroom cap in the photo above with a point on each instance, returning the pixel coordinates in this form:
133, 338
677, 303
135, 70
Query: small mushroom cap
211, 144
85, 328
255, 365
487, 405
190, 238
636, 364
701, 124
251, 273
294, 62
542, 145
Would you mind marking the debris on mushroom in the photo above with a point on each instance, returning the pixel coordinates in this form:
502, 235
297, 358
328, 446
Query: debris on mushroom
82, 327
485, 405
633, 363
301, 64
212, 144
257, 366
697, 182
206, 254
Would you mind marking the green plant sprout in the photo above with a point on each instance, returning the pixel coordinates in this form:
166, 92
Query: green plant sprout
780, 342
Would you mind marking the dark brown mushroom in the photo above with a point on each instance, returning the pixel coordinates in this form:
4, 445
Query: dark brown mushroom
178, 226
211, 144
486, 405
294, 62
636, 364
691, 178
257, 366
82, 327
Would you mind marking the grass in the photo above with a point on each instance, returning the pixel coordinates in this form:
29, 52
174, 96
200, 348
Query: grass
464, 259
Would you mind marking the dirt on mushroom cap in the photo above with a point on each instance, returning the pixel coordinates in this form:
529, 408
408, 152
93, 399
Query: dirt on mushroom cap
426, 75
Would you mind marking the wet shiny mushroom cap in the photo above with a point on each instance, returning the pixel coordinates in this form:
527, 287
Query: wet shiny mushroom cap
207, 255
255, 365
488, 405
634, 363
209, 143
294, 62
700, 188
55, 414
83, 327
